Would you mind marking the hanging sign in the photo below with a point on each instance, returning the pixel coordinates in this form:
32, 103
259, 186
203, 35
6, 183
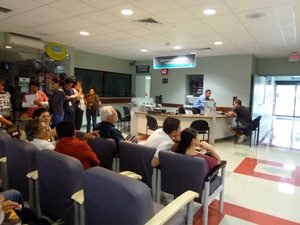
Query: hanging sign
173, 62
56, 51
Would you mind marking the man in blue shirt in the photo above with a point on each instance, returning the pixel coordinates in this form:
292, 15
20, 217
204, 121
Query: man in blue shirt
198, 104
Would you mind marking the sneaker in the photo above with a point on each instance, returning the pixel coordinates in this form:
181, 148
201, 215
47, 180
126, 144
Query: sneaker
241, 139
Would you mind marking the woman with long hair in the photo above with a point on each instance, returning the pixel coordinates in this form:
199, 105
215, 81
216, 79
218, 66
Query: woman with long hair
189, 143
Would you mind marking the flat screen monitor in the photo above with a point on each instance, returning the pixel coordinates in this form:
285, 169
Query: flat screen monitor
158, 99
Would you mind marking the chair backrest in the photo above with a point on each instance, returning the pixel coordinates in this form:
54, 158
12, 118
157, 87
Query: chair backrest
119, 114
60, 176
137, 158
110, 198
180, 173
200, 125
126, 111
4, 137
79, 134
20, 161
255, 123
105, 150
181, 110
151, 123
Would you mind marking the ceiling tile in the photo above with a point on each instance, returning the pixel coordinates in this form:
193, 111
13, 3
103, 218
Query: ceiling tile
101, 17
23, 5
103, 29
51, 12
220, 20
229, 28
119, 35
220, 7
18, 22
157, 6
123, 26
73, 7
175, 16
137, 12
103, 4
79, 22
190, 3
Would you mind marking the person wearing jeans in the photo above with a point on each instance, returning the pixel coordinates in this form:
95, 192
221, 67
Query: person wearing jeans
92, 107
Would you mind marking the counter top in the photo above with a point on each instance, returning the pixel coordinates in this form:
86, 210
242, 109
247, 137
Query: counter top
183, 115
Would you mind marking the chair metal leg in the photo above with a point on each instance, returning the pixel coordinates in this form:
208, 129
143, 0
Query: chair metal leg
4, 176
154, 183
76, 213
37, 199
81, 215
31, 195
190, 213
205, 203
158, 186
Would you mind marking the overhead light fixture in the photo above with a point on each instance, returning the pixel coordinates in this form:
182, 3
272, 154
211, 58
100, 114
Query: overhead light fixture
218, 43
127, 12
177, 47
144, 50
8, 46
84, 33
209, 11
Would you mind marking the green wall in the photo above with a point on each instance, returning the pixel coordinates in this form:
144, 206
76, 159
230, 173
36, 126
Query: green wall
277, 66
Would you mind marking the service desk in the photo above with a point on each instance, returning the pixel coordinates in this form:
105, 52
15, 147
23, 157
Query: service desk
218, 124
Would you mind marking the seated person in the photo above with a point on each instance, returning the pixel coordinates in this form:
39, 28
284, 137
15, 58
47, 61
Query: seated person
4, 121
189, 142
243, 120
163, 139
68, 144
38, 133
44, 115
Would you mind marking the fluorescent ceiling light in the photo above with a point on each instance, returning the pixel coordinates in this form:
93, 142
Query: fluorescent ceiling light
84, 33
127, 12
177, 47
144, 50
209, 11
218, 43
8, 46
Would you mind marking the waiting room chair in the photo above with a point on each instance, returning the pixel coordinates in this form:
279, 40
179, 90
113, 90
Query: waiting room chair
106, 151
21, 161
137, 158
121, 121
179, 173
111, 198
59, 177
202, 128
253, 127
4, 137
79, 134
151, 124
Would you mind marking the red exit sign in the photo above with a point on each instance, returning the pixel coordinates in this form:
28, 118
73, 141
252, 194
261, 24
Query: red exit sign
164, 72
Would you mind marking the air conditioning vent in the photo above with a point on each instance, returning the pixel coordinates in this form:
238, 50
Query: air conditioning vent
21, 40
147, 21
4, 10
203, 49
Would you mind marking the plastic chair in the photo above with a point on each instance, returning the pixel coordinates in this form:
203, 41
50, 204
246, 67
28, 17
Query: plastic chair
59, 177
121, 120
111, 198
127, 115
202, 127
181, 110
179, 173
151, 124
253, 127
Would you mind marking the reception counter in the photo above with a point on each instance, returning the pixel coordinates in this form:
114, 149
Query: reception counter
218, 124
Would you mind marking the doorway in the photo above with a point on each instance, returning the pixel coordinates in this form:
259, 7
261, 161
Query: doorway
287, 99
143, 86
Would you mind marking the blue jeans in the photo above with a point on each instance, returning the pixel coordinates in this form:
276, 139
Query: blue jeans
56, 119
90, 114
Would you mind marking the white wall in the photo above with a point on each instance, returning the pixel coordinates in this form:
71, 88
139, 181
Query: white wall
226, 76
276, 66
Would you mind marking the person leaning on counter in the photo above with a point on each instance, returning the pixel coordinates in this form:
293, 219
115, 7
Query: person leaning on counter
198, 104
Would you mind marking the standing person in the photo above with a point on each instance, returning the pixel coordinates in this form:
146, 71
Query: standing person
5, 102
56, 102
164, 139
69, 103
188, 144
80, 104
92, 106
243, 120
34, 99
198, 104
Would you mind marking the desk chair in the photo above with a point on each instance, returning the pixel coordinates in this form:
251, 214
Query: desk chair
151, 124
202, 128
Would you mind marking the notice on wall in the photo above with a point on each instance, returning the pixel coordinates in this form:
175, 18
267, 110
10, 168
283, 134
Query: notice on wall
142, 69
24, 81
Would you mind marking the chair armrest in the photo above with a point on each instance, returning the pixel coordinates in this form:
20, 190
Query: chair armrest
3, 159
78, 197
171, 209
131, 175
33, 175
215, 171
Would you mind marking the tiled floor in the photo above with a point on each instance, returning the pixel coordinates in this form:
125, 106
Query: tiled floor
262, 183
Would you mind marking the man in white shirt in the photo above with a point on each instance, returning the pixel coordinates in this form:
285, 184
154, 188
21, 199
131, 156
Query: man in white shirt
164, 139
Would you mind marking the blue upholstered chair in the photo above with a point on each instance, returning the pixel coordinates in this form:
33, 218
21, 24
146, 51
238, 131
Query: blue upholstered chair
179, 173
59, 177
111, 198
4, 137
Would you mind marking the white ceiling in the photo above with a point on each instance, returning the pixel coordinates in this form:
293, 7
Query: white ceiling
182, 23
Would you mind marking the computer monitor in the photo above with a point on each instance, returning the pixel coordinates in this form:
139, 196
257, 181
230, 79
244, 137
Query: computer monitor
158, 99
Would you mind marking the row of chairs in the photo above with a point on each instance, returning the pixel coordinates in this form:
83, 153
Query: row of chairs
59, 181
200, 125
123, 120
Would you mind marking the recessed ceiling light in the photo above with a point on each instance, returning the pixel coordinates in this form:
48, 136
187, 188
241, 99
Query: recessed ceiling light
8, 46
127, 12
177, 47
209, 11
218, 43
84, 33
144, 50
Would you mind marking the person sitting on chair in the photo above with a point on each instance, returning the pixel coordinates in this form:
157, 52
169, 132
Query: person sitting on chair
189, 143
164, 139
243, 120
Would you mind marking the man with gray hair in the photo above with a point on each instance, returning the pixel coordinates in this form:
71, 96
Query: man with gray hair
106, 127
